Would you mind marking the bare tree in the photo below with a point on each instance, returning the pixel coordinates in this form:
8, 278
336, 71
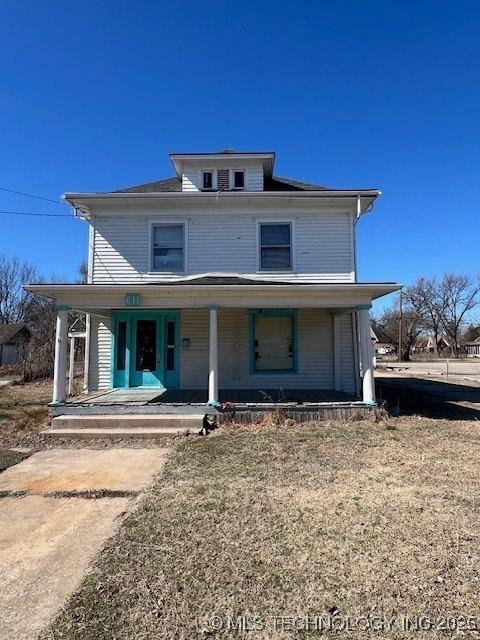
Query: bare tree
472, 332
14, 301
386, 326
459, 294
82, 276
424, 296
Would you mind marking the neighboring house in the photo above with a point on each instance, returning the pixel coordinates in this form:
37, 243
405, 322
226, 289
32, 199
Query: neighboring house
222, 277
14, 342
427, 345
472, 349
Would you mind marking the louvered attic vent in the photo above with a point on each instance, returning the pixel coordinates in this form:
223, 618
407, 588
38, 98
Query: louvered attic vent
223, 179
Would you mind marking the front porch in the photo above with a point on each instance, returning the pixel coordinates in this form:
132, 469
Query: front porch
240, 405
220, 347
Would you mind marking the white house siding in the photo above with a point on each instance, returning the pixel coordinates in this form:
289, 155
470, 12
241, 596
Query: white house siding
100, 354
192, 176
321, 244
191, 180
315, 352
347, 357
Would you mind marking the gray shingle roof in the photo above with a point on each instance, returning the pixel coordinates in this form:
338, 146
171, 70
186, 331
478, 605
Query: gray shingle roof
217, 280
287, 184
174, 184
9, 331
170, 184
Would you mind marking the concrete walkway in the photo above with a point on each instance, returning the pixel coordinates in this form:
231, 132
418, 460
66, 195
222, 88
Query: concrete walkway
47, 543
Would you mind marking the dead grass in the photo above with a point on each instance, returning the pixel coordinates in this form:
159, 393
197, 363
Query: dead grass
8, 458
23, 412
346, 519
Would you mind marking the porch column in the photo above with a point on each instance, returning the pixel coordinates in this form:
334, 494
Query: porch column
368, 382
60, 370
213, 358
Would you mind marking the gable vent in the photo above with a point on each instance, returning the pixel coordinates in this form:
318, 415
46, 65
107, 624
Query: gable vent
223, 179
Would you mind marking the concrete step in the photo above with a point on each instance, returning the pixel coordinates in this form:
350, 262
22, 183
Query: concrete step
111, 433
168, 422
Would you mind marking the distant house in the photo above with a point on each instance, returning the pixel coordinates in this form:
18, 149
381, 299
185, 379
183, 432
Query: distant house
427, 345
14, 341
472, 348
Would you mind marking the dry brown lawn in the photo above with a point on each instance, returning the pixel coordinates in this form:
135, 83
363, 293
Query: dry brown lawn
23, 413
361, 523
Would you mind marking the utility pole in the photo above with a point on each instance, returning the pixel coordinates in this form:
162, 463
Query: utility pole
400, 322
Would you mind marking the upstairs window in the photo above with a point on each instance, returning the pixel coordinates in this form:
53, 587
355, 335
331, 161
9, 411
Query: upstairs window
168, 251
276, 246
239, 179
207, 180
223, 180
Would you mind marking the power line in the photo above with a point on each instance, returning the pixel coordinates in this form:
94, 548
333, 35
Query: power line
31, 195
31, 213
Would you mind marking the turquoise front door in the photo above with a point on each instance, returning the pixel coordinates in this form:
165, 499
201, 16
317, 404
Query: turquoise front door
146, 366
145, 350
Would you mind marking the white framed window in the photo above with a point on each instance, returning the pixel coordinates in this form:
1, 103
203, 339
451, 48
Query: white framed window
207, 180
223, 179
168, 247
275, 246
239, 179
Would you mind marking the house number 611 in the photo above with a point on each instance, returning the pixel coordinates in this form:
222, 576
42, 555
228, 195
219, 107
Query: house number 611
132, 300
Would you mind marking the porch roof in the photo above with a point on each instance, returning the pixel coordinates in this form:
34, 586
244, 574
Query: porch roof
221, 292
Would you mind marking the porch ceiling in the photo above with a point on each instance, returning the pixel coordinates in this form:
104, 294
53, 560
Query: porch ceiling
90, 297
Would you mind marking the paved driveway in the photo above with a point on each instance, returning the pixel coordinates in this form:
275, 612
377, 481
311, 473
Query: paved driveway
47, 542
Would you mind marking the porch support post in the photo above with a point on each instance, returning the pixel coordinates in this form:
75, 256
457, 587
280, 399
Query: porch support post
368, 382
213, 358
60, 370
71, 363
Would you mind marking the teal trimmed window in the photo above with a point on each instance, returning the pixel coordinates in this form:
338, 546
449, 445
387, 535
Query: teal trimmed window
273, 341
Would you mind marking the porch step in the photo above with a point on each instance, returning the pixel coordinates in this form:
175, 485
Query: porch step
168, 422
112, 433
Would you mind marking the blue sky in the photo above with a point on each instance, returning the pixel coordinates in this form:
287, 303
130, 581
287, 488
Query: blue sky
94, 95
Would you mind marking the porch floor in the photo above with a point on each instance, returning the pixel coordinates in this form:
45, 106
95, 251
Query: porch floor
144, 397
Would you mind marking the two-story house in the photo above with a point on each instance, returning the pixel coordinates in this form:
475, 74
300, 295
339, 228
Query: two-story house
222, 278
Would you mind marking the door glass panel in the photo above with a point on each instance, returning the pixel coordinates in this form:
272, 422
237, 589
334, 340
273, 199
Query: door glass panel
146, 347
121, 345
170, 346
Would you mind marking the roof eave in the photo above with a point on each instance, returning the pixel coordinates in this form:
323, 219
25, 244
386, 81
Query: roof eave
80, 200
267, 158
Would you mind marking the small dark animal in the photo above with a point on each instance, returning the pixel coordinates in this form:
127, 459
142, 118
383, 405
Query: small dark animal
209, 424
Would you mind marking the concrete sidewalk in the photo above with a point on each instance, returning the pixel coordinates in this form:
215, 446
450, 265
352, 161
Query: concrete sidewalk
47, 543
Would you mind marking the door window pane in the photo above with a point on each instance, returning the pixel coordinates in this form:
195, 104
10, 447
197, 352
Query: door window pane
146, 345
273, 346
121, 345
168, 247
275, 247
170, 364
